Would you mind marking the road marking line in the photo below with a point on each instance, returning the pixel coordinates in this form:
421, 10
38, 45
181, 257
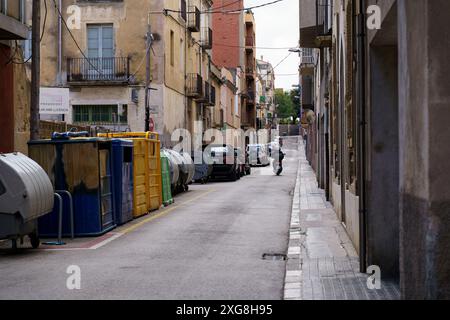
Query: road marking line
105, 242
163, 213
135, 226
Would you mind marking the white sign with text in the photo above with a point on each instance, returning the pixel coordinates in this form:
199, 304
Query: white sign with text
54, 101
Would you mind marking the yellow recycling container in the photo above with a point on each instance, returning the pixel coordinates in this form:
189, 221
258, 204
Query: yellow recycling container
147, 187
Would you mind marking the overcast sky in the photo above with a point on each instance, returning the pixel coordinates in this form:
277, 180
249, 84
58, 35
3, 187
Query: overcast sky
277, 26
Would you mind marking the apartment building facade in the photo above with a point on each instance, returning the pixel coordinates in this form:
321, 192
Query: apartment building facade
234, 49
378, 140
14, 82
248, 117
265, 94
105, 64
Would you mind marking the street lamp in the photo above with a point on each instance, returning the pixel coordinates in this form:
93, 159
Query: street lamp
295, 50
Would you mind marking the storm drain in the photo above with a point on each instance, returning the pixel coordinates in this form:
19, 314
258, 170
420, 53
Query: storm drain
274, 257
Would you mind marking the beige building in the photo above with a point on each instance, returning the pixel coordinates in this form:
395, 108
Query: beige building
14, 82
106, 75
265, 94
379, 137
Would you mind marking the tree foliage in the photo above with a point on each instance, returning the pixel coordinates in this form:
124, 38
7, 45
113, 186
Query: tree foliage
287, 105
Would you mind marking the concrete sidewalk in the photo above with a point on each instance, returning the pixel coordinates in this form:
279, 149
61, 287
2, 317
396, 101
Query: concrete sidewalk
322, 261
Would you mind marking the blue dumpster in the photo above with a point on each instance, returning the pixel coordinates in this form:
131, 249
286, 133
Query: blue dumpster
123, 180
82, 166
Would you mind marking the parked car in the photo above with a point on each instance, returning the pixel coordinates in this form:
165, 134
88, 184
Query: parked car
258, 155
243, 162
203, 170
224, 160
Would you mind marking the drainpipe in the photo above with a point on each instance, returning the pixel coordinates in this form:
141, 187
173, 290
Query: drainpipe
362, 136
59, 76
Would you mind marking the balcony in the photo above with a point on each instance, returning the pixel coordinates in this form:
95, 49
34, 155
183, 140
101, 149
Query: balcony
193, 23
12, 29
307, 62
98, 70
249, 44
207, 38
316, 17
324, 22
194, 85
250, 71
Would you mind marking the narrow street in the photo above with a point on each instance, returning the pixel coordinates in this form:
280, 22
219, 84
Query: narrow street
208, 246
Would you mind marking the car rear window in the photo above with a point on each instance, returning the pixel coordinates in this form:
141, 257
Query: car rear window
219, 149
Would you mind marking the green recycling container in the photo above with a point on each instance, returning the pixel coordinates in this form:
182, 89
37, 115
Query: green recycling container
166, 185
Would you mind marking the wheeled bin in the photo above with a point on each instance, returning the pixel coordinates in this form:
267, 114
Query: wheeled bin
26, 194
83, 167
166, 181
174, 170
122, 153
147, 189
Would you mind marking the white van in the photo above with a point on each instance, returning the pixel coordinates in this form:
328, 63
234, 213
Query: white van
258, 155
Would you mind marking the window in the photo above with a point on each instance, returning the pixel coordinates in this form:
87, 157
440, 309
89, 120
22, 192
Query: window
100, 41
172, 49
100, 114
183, 13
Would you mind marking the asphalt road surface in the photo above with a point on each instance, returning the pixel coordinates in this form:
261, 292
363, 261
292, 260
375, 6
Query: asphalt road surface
209, 245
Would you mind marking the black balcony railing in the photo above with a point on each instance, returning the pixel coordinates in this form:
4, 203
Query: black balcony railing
324, 17
98, 69
194, 85
207, 38
193, 24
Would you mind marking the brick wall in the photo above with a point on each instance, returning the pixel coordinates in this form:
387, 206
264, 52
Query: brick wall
226, 34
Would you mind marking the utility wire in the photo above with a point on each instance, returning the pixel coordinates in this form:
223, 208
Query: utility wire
254, 7
73, 38
276, 66
224, 11
226, 5
141, 63
244, 47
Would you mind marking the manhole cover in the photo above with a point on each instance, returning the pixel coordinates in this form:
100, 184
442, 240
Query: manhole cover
274, 257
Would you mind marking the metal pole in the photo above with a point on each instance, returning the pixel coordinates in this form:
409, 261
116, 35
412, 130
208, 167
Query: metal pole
60, 218
69, 195
148, 79
35, 70
60, 45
